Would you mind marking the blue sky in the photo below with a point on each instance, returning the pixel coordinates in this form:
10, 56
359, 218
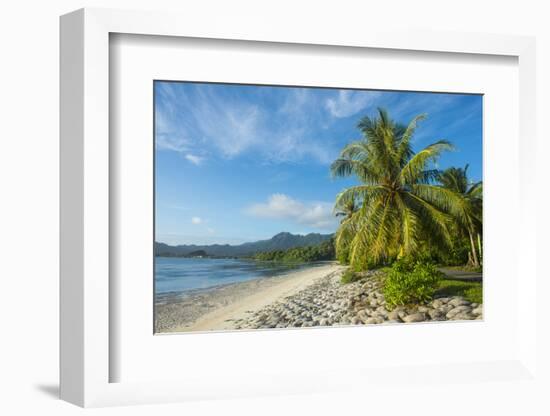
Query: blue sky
239, 163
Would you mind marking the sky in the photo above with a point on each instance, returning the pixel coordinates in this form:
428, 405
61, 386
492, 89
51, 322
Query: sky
237, 163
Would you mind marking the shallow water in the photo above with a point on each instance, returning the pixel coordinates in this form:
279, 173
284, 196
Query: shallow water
177, 274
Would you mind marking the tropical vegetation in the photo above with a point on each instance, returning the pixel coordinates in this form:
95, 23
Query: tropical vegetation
406, 214
410, 282
320, 252
402, 205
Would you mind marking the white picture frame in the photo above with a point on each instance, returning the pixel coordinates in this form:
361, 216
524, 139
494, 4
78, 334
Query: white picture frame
86, 355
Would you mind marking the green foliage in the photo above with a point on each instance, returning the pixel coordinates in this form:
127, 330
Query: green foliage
454, 255
350, 276
321, 252
403, 205
397, 203
469, 223
471, 291
410, 282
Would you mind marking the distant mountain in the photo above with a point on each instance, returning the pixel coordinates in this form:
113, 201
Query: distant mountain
281, 241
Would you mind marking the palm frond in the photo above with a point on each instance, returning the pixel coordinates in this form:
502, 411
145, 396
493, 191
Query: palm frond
417, 164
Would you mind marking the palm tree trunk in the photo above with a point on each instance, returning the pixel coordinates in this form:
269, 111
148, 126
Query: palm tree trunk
474, 252
479, 247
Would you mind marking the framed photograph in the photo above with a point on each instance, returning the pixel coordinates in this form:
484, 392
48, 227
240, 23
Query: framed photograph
267, 214
287, 213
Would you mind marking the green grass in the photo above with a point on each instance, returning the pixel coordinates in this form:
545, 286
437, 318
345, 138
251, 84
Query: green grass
465, 268
471, 291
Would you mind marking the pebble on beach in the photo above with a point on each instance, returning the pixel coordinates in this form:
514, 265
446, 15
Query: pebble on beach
328, 302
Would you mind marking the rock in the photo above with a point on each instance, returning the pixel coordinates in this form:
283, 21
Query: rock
445, 308
463, 316
402, 314
423, 309
355, 321
374, 320
437, 303
415, 317
477, 310
362, 315
436, 315
458, 301
459, 309
381, 310
324, 322
394, 315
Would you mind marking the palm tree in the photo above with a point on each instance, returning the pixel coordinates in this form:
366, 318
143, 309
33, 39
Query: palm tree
346, 209
456, 180
400, 205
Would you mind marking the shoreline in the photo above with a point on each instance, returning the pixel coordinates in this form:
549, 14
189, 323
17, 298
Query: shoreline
216, 308
176, 295
305, 298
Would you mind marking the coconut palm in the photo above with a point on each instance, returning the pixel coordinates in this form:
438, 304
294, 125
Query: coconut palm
399, 202
346, 209
456, 180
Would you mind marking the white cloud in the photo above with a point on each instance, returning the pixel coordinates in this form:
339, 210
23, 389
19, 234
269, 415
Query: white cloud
196, 220
168, 142
281, 206
348, 102
195, 120
196, 160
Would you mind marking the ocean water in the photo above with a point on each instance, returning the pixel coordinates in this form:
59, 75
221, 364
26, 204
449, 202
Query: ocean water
177, 274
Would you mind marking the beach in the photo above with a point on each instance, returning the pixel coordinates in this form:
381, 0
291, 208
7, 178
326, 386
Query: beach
221, 307
299, 299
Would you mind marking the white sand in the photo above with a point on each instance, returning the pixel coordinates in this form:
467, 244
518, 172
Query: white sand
255, 297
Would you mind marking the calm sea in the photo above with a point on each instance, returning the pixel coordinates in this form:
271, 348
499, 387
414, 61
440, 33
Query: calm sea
176, 274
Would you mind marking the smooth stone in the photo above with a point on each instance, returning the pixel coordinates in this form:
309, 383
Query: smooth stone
415, 317
463, 316
362, 315
478, 310
402, 314
445, 308
459, 309
394, 316
459, 302
436, 314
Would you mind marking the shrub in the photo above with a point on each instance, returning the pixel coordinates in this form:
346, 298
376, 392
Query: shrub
350, 276
410, 282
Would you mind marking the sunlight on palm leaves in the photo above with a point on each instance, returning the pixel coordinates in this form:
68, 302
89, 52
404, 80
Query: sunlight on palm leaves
399, 203
469, 220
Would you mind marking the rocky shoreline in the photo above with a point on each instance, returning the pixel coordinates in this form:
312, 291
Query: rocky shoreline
327, 302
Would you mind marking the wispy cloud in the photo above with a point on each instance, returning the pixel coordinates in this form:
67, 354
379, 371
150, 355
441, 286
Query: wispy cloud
199, 120
196, 220
194, 159
348, 102
283, 207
